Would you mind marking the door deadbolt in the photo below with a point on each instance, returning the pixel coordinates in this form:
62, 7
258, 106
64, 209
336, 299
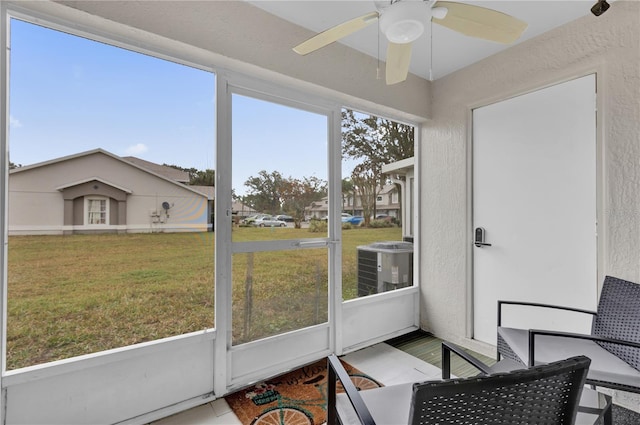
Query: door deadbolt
479, 238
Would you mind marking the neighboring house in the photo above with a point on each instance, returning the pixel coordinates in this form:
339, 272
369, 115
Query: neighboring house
317, 209
387, 202
210, 193
97, 191
242, 210
401, 173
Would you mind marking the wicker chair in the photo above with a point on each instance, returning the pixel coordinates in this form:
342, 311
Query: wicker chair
541, 395
594, 407
613, 345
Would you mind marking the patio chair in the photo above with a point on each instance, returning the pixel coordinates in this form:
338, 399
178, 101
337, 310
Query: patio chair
547, 394
593, 408
613, 345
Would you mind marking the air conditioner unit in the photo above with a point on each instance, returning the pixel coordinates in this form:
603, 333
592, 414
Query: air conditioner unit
384, 266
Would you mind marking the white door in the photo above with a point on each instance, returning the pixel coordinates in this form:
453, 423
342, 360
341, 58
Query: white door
534, 194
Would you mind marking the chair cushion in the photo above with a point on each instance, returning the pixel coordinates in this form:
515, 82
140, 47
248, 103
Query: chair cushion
388, 405
605, 367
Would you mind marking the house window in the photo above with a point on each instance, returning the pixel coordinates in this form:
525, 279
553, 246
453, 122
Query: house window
97, 211
379, 198
394, 197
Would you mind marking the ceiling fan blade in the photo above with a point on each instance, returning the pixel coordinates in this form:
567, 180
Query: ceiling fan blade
398, 60
335, 33
480, 22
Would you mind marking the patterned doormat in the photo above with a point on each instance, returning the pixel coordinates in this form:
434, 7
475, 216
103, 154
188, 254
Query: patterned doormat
296, 398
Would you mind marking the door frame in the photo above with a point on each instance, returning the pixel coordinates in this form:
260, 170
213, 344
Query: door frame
248, 362
601, 226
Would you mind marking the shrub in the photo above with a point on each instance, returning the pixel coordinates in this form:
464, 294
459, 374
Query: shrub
347, 226
318, 226
378, 224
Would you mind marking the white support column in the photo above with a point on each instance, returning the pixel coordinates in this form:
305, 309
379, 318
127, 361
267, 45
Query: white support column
4, 190
223, 206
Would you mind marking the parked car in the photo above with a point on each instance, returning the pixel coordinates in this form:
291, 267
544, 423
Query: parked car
387, 218
348, 218
285, 218
352, 219
269, 221
252, 218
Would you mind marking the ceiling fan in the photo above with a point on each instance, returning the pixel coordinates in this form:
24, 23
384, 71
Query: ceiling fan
403, 21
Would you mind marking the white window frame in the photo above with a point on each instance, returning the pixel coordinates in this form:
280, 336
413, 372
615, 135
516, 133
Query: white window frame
87, 211
61, 386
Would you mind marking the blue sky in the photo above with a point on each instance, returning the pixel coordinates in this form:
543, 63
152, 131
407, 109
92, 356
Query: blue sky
69, 95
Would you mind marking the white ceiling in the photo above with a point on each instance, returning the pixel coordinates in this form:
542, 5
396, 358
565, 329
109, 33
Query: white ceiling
451, 50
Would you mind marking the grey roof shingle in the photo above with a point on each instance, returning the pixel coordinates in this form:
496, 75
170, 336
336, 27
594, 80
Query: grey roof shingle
164, 170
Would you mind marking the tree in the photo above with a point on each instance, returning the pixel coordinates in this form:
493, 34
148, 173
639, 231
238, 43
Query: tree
14, 165
376, 141
272, 193
297, 194
203, 178
264, 192
348, 188
197, 177
365, 182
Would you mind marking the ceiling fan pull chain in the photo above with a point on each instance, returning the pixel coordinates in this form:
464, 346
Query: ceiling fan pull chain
378, 63
431, 50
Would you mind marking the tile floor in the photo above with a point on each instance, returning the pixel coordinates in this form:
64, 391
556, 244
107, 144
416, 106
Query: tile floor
374, 361
385, 363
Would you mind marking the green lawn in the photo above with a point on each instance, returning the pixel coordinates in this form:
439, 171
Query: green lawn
73, 295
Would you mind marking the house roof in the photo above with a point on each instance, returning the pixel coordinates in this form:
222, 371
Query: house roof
399, 167
238, 206
387, 188
163, 170
209, 191
109, 154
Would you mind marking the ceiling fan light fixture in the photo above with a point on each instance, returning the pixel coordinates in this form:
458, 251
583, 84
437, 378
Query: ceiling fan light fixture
403, 22
404, 31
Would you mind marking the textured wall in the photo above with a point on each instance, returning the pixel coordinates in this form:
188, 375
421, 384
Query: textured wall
610, 45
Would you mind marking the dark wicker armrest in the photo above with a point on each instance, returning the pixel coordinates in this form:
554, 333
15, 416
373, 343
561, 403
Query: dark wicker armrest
595, 338
524, 303
337, 373
448, 348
